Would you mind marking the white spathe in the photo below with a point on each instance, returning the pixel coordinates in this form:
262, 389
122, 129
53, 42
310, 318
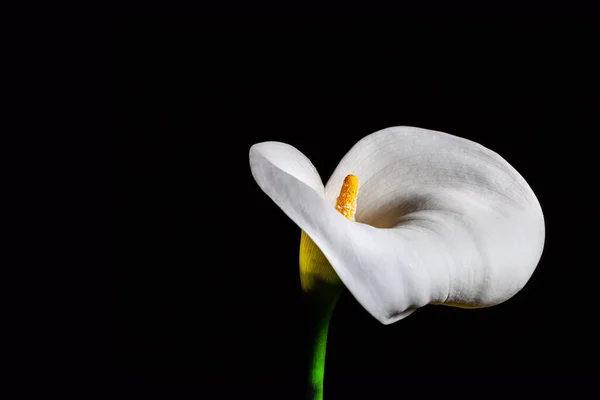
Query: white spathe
439, 219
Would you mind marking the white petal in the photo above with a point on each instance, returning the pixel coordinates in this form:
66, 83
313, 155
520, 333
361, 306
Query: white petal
288, 159
335, 235
452, 222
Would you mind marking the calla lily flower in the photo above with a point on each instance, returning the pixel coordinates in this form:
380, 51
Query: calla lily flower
410, 217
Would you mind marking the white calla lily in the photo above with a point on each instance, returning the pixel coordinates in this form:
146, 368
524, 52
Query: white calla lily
440, 219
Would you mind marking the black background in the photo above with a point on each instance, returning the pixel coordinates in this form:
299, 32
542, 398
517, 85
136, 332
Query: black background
205, 283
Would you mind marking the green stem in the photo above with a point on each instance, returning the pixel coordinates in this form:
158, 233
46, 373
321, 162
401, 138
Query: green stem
321, 303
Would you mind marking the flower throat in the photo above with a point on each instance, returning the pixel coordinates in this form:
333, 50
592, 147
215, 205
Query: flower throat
314, 266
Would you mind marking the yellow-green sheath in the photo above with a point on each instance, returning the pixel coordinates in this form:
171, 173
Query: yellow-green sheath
322, 288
